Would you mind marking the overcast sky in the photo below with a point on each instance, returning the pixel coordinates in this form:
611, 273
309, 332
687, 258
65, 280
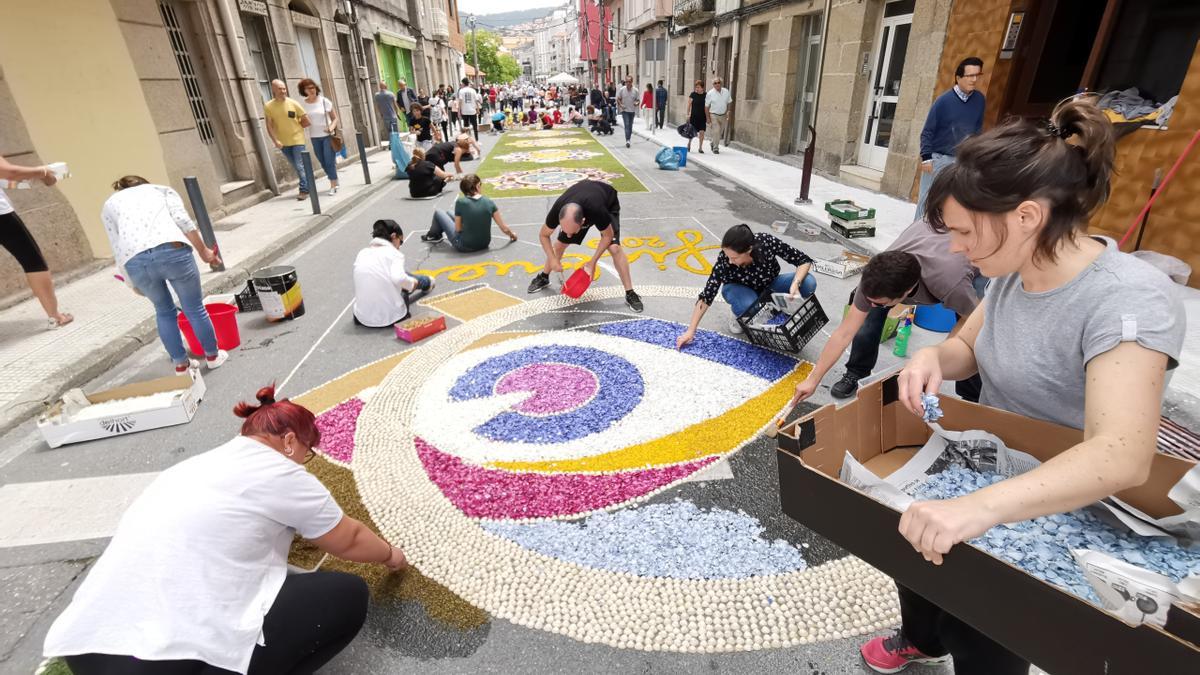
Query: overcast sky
481, 7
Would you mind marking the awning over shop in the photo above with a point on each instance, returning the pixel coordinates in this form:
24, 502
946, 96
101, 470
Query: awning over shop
387, 37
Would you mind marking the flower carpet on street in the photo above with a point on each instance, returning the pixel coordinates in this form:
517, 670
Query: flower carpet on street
517, 165
552, 179
534, 475
548, 156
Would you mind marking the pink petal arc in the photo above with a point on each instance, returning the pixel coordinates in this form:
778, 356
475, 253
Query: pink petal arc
496, 494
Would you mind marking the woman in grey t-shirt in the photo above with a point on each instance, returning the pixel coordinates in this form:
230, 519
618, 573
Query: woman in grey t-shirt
1073, 332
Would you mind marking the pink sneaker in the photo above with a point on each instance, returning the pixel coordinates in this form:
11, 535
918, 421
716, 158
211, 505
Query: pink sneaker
894, 654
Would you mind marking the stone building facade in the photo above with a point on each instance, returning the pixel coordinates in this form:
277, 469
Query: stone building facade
183, 86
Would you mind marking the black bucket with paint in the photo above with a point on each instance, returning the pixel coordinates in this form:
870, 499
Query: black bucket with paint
278, 288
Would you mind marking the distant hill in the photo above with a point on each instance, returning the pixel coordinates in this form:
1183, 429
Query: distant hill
506, 19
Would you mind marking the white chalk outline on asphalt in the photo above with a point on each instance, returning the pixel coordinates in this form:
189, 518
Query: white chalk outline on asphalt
49, 512
314, 346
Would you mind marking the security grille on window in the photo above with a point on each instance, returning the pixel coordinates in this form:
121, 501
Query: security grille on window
187, 73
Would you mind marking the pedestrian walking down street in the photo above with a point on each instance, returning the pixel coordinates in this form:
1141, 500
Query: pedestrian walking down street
586, 204
1106, 329
230, 605
746, 267
627, 103
718, 105
17, 240
660, 105
455, 117
152, 239
385, 106
437, 115
286, 121
405, 98
955, 115
917, 269
468, 102
648, 107
323, 122
422, 127
697, 117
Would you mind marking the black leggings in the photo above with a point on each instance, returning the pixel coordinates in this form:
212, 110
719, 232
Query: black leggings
473, 121
15, 237
314, 617
445, 129
936, 632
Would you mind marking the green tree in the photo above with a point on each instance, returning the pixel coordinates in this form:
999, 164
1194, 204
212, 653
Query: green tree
496, 66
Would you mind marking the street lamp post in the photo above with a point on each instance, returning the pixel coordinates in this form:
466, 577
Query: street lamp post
474, 48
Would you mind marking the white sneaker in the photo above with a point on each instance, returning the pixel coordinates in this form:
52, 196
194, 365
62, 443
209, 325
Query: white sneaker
735, 327
182, 368
332, 191
215, 362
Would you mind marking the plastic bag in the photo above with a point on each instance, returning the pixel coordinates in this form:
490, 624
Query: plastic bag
1175, 268
667, 160
687, 130
399, 156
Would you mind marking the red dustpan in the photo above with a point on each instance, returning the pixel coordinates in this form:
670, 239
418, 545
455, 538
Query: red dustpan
577, 283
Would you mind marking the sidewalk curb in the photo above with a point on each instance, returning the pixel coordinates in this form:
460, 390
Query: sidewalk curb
854, 245
101, 359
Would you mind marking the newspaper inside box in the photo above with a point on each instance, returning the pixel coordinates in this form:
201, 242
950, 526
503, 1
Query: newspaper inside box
1028, 616
127, 409
845, 265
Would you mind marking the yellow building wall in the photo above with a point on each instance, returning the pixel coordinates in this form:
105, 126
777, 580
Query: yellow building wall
70, 73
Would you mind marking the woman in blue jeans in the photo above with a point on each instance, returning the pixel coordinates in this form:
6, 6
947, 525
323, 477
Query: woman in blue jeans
746, 267
152, 240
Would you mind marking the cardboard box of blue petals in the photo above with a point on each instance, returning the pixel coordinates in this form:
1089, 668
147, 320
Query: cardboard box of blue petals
1045, 621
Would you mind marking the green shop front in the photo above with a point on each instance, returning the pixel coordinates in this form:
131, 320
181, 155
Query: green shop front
396, 61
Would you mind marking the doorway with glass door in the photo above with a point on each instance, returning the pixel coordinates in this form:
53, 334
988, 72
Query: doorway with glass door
887, 68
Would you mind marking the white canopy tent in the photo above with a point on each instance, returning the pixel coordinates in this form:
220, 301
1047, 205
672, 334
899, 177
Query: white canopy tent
563, 78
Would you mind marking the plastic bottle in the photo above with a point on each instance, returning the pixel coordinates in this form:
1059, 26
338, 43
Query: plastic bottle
901, 348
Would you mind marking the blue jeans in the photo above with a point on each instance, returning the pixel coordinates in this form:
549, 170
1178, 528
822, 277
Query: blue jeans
627, 120
323, 149
740, 297
443, 225
292, 152
940, 162
151, 271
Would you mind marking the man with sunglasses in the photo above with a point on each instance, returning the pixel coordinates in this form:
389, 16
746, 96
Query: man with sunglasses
918, 269
954, 115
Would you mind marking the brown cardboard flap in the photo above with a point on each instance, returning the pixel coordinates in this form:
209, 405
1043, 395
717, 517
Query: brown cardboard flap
885, 464
146, 388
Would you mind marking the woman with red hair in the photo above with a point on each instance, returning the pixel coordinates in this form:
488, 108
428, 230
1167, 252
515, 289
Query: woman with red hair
195, 579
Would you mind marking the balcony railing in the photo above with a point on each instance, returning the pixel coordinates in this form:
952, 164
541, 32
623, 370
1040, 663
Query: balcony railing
441, 26
694, 12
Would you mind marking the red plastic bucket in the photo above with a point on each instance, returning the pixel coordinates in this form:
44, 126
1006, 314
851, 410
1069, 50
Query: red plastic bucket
224, 321
577, 283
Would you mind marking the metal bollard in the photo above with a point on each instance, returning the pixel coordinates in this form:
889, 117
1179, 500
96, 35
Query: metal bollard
362, 157
312, 181
806, 176
203, 222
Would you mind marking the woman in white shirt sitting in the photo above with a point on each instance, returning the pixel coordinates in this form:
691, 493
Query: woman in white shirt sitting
324, 120
383, 289
150, 233
195, 579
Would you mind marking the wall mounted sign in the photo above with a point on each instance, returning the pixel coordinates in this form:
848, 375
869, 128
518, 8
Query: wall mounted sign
1011, 34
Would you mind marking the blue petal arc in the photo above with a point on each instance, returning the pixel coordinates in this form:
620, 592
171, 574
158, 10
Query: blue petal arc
707, 345
620, 390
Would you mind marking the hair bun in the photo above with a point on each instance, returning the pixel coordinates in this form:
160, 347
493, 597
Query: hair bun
265, 396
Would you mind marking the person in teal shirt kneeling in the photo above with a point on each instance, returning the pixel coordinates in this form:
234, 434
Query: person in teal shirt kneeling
469, 227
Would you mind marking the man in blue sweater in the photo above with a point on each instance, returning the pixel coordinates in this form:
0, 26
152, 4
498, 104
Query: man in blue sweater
955, 114
660, 105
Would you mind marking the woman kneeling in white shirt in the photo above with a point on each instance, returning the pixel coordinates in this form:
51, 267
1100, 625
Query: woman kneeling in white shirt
383, 289
195, 579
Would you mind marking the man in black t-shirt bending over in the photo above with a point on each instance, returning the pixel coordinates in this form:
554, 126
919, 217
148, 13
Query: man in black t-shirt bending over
584, 205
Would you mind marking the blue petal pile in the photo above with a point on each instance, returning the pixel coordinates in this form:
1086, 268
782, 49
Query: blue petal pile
933, 408
674, 540
1042, 546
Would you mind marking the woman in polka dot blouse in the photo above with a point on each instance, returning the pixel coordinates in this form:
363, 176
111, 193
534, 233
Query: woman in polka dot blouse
748, 265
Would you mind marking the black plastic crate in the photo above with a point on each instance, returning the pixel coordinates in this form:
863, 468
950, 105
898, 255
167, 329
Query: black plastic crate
248, 300
793, 333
